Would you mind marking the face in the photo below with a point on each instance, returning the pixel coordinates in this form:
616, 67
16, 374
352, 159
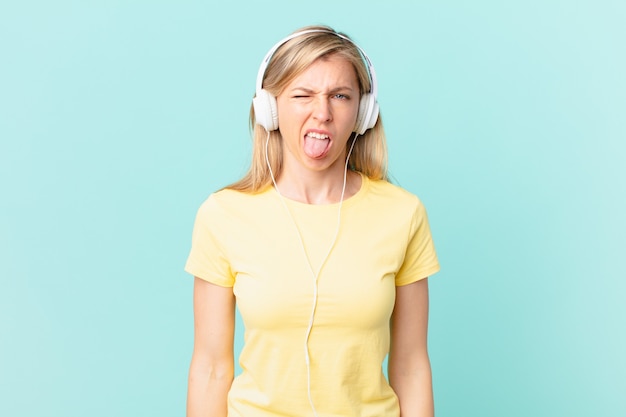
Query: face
317, 113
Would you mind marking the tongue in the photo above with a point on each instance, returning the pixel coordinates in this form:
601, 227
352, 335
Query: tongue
315, 148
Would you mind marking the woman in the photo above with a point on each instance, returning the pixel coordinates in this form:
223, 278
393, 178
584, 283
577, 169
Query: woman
326, 260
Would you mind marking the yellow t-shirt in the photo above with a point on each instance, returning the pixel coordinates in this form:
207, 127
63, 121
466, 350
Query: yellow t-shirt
250, 243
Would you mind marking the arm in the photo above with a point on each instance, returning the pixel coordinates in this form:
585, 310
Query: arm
212, 367
409, 365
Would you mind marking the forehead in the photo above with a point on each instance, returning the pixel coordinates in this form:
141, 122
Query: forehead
327, 71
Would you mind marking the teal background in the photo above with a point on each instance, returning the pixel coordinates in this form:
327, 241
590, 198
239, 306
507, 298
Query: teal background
118, 118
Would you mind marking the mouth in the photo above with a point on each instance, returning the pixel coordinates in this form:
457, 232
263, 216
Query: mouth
316, 144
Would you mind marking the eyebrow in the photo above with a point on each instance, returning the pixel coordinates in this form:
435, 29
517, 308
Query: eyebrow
334, 90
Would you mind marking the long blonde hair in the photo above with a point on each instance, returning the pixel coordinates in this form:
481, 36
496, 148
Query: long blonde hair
369, 155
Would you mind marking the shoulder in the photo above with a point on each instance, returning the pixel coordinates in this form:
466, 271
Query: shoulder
384, 192
394, 205
227, 200
227, 209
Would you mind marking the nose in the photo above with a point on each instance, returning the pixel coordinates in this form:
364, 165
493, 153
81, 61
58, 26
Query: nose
322, 110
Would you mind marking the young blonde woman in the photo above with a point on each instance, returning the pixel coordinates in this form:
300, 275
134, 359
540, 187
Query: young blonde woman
325, 259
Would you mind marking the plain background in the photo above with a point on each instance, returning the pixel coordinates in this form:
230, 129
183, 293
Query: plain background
118, 118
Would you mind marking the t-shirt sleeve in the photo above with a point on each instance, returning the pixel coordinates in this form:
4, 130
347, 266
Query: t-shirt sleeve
420, 260
207, 259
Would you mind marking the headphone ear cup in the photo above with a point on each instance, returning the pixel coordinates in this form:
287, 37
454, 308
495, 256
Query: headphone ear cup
265, 110
368, 113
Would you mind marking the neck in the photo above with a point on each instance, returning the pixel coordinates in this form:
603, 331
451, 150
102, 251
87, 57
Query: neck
317, 188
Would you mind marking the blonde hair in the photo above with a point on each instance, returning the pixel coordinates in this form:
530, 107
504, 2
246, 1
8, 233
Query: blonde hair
369, 155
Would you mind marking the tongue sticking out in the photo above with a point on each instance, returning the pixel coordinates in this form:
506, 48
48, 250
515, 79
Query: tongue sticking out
314, 147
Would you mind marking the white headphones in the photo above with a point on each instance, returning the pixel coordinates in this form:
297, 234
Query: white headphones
264, 103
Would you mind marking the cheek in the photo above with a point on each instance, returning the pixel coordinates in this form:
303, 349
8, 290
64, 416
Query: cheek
349, 120
289, 117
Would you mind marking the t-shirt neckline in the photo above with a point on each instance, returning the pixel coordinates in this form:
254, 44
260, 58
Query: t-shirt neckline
346, 202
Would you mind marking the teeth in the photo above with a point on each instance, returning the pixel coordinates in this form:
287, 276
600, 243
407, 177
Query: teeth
317, 135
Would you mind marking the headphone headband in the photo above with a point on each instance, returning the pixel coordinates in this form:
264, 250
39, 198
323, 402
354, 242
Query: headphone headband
270, 54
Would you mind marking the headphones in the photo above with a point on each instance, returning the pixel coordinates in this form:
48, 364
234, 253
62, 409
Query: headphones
264, 103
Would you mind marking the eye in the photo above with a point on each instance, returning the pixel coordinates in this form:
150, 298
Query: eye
341, 97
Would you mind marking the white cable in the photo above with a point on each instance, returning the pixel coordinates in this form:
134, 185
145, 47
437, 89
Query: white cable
306, 256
